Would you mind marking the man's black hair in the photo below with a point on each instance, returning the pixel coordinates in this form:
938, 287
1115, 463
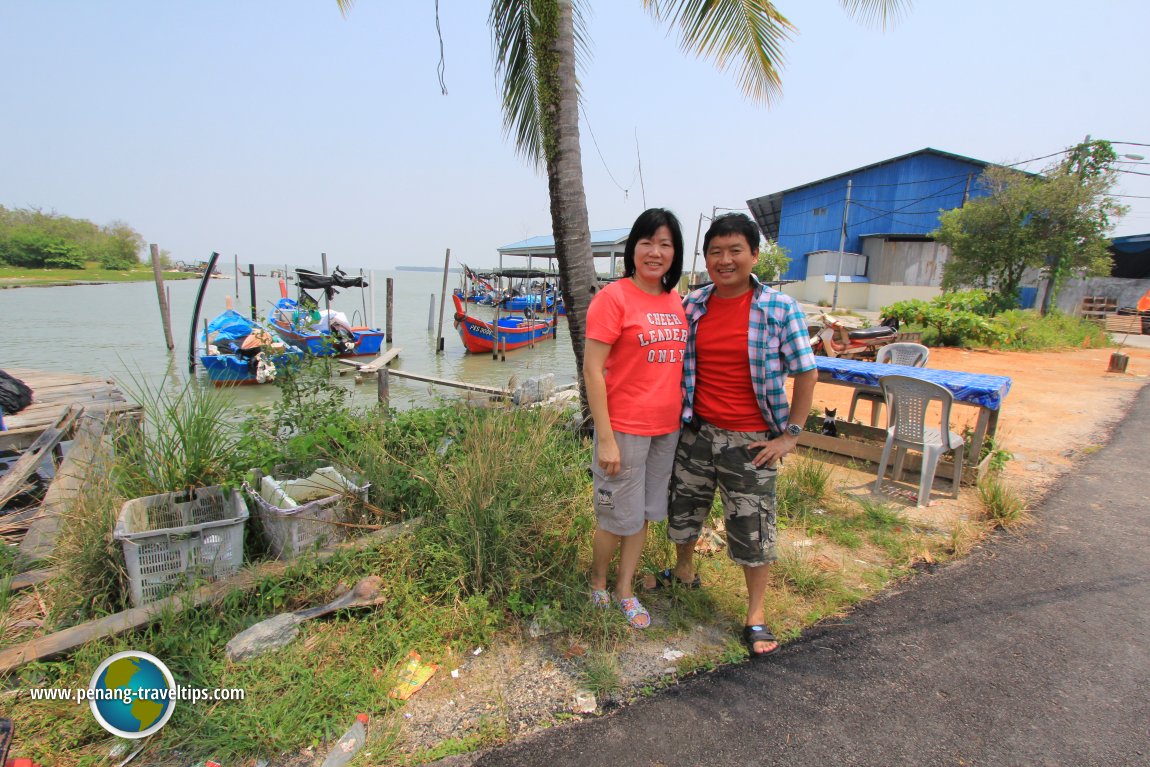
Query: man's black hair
732, 223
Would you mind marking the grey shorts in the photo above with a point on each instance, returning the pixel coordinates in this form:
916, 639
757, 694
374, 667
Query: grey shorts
638, 492
710, 458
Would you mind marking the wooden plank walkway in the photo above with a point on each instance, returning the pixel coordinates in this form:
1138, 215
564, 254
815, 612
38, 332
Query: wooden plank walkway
53, 392
88, 404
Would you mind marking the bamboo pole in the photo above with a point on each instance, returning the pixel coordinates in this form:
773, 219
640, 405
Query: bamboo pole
165, 311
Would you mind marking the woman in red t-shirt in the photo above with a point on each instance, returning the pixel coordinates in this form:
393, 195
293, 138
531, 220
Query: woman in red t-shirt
632, 368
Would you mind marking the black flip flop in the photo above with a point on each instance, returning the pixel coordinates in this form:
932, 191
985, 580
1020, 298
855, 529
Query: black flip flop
753, 634
665, 579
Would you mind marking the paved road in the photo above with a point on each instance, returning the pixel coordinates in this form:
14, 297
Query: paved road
1035, 650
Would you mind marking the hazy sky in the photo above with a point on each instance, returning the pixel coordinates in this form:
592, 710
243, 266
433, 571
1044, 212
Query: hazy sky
277, 129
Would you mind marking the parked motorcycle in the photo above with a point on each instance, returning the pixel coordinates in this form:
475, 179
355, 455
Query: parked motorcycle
830, 337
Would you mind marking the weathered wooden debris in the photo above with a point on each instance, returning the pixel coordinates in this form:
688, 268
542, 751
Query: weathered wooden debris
279, 631
12, 483
69, 639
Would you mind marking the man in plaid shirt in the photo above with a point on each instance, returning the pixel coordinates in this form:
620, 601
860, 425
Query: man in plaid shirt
744, 340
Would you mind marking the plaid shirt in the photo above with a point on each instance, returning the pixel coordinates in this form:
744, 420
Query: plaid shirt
778, 344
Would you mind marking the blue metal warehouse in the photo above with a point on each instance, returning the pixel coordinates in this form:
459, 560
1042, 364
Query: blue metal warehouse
896, 199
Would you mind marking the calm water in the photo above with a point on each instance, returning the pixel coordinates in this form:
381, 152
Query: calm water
114, 330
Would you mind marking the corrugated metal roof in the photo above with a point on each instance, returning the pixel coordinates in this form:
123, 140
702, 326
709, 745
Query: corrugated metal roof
600, 239
901, 197
891, 161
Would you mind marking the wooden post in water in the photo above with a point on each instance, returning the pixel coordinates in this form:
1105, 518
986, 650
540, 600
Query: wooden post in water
252, 287
390, 305
383, 388
165, 311
442, 301
431, 314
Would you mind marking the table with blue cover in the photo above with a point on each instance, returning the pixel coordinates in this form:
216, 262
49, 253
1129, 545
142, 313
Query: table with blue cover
984, 392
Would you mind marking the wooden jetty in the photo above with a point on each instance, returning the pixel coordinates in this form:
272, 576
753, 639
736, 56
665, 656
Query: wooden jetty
65, 408
53, 393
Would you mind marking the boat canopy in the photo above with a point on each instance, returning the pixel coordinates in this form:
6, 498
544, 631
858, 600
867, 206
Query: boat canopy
521, 273
309, 280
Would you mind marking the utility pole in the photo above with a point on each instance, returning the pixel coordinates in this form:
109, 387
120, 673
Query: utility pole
842, 246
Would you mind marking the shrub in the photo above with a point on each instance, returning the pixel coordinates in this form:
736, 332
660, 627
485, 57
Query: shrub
1028, 330
956, 319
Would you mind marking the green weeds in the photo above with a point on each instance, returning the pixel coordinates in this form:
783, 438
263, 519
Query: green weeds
1004, 506
505, 539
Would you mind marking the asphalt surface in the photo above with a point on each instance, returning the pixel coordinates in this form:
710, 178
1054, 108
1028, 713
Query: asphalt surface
1034, 650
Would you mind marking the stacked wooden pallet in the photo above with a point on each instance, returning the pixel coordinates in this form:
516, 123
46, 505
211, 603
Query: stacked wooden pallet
1097, 307
1124, 323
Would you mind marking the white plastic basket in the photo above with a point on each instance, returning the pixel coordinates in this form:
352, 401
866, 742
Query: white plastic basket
173, 539
301, 513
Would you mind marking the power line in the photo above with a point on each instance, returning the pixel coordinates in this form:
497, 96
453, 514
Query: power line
626, 190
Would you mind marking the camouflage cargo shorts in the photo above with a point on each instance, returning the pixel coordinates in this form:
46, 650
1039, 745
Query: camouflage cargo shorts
708, 458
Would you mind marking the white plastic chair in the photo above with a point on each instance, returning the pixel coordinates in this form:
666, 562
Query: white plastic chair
902, 353
907, 400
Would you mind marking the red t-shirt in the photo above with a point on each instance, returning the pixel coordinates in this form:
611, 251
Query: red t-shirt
644, 370
724, 395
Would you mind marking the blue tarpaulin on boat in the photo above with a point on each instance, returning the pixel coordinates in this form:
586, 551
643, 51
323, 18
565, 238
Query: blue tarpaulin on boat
230, 326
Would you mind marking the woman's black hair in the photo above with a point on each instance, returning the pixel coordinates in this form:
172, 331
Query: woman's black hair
646, 225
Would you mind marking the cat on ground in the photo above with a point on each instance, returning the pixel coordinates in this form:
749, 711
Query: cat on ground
830, 429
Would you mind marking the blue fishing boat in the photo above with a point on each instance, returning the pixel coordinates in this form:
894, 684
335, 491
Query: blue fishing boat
520, 304
238, 351
323, 332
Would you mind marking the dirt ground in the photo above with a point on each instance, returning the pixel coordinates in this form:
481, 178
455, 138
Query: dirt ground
1060, 405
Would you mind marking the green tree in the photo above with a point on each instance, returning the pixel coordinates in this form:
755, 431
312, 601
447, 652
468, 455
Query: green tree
35, 249
35, 239
1057, 222
773, 261
120, 247
537, 43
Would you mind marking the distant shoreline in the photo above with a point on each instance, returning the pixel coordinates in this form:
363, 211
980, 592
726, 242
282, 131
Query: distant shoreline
55, 281
453, 270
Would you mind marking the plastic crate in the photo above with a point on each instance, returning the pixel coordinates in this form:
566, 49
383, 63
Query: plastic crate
298, 513
173, 539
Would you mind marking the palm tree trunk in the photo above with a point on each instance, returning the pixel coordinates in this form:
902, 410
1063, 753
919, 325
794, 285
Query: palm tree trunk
560, 102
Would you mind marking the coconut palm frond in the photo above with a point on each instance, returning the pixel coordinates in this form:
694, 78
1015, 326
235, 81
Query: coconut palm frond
516, 68
513, 24
877, 12
747, 34
345, 6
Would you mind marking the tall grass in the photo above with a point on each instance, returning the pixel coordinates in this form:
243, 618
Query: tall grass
186, 441
803, 484
91, 578
511, 518
1028, 330
1004, 506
